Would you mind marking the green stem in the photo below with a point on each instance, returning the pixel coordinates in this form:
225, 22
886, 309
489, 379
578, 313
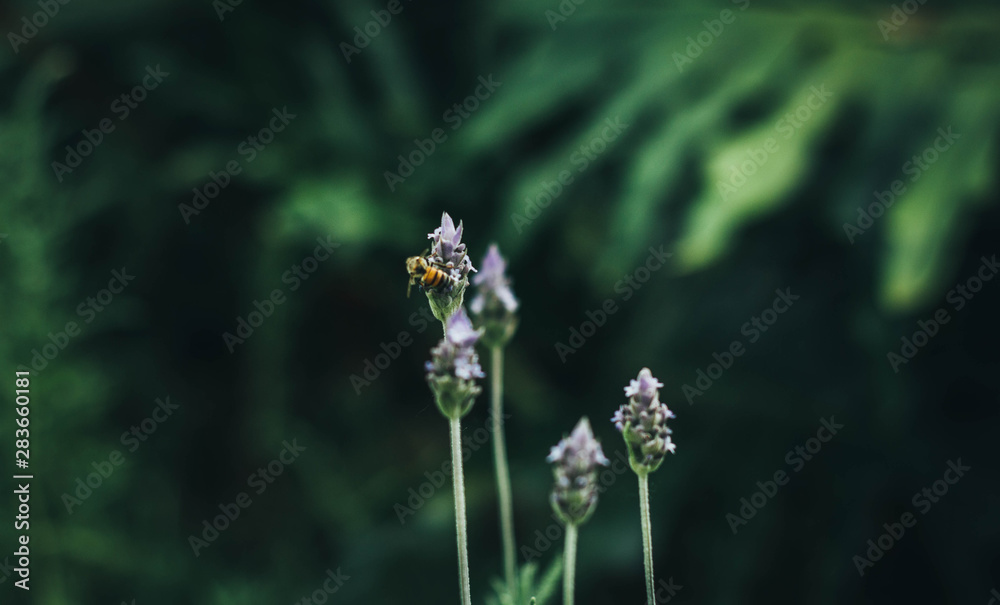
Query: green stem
647, 536
503, 473
569, 564
458, 478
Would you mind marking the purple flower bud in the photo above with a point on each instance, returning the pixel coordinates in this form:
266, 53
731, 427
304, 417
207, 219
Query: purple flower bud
576, 459
643, 423
494, 305
448, 253
454, 367
447, 248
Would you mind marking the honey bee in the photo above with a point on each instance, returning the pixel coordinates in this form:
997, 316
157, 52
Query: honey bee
427, 274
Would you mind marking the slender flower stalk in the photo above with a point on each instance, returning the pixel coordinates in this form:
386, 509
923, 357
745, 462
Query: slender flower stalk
643, 424
461, 519
569, 574
647, 536
574, 496
494, 308
504, 492
451, 374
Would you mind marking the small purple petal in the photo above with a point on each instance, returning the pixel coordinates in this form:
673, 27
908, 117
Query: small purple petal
492, 283
456, 354
460, 330
446, 247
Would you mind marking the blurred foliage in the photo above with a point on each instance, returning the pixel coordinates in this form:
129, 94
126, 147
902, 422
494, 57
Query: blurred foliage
657, 184
535, 592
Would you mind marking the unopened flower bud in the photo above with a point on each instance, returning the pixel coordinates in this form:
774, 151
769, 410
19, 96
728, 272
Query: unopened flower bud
448, 254
643, 423
576, 459
494, 306
454, 367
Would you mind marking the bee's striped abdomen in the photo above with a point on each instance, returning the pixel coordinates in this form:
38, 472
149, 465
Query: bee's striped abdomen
434, 277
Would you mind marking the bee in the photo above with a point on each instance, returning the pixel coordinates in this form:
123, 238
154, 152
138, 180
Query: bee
427, 274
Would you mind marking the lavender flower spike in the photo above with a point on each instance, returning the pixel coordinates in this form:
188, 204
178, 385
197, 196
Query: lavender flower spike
576, 458
494, 305
643, 423
454, 367
448, 253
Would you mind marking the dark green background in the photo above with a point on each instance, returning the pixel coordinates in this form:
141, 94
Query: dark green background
656, 184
